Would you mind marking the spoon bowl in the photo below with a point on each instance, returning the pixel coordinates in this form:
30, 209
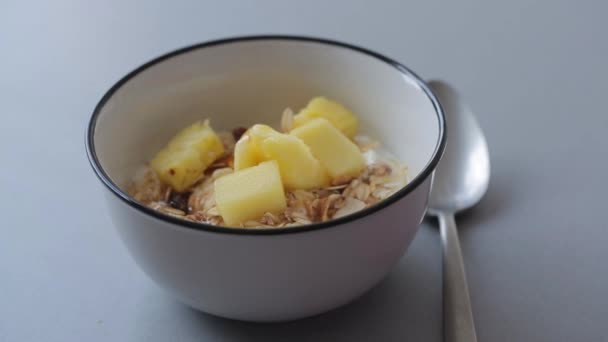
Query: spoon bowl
463, 174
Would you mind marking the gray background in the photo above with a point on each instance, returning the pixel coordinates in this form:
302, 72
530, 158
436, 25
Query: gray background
534, 72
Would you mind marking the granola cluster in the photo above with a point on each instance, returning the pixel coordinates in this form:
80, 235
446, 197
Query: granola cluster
382, 177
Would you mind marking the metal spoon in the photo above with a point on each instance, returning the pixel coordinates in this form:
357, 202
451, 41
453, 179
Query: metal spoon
461, 179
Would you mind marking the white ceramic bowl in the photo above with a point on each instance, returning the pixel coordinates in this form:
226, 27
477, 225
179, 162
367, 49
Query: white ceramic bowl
265, 274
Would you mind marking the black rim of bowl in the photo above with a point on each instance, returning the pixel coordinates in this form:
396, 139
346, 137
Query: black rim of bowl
115, 189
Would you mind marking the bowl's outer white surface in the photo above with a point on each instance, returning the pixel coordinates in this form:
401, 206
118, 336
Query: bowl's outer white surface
266, 277
271, 277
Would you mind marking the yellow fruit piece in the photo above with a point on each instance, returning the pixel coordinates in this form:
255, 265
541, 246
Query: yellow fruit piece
199, 136
248, 194
259, 133
298, 167
334, 112
246, 154
247, 151
182, 162
178, 168
341, 157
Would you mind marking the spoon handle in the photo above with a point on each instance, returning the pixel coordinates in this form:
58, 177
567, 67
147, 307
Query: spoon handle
457, 314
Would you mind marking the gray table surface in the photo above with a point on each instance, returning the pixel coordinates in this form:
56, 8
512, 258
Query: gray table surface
535, 249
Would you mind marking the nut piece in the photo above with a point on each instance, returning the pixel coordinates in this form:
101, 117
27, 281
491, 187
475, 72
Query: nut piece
351, 205
287, 120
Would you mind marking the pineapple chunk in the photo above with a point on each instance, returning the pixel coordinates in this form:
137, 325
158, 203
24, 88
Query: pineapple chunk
299, 168
248, 194
246, 154
178, 168
201, 137
181, 163
341, 157
260, 132
334, 112
247, 151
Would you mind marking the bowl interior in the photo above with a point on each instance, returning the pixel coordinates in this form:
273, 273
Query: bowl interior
239, 83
